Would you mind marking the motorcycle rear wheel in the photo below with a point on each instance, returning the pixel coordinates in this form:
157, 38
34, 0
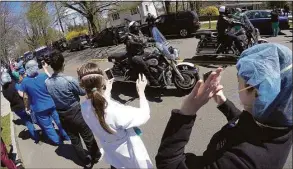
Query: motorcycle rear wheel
189, 81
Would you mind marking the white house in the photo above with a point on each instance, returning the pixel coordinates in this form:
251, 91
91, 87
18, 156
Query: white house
137, 13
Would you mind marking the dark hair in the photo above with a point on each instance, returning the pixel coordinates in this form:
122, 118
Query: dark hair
92, 80
57, 60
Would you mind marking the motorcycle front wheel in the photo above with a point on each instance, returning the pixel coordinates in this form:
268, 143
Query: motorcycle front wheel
189, 81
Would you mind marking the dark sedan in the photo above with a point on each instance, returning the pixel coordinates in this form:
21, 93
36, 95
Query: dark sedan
261, 19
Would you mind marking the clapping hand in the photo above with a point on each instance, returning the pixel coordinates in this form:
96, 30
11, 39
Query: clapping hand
202, 93
109, 84
141, 84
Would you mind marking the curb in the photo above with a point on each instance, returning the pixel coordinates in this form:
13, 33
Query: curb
13, 138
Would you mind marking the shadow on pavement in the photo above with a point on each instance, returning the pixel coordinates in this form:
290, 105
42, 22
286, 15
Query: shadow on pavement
152, 94
18, 122
67, 151
24, 135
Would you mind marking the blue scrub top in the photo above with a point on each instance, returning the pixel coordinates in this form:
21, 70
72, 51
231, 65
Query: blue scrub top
36, 89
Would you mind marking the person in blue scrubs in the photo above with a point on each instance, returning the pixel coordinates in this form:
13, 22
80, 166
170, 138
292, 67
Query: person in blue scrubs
17, 105
41, 102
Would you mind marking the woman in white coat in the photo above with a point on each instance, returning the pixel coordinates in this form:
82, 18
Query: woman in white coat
113, 123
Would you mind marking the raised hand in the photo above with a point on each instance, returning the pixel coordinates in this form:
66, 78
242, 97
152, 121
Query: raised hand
141, 84
109, 84
201, 93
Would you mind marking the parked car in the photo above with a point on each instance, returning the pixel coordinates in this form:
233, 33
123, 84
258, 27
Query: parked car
261, 19
79, 42
40, 54
28, 55
181, 23
60, 44
108, 37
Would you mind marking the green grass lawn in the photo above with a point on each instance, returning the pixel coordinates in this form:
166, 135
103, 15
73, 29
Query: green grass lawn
206, 25
5, 133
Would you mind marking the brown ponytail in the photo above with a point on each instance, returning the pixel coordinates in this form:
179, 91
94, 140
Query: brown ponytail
92, 80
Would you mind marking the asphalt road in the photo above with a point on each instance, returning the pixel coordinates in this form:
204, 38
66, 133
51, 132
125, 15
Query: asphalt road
209, 119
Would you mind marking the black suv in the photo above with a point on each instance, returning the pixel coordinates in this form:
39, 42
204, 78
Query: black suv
108, 37
60, 44
41, 54
79, 42
181, 23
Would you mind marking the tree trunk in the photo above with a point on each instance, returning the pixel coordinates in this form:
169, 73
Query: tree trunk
90, 18
191, 4
167, 4
176, 6
58, 15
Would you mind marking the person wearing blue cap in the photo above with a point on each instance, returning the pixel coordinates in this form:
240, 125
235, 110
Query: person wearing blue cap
41, 102
17, 104
261, 135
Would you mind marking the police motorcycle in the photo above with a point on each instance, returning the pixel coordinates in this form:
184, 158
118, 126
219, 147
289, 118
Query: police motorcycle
162, 64
209, 50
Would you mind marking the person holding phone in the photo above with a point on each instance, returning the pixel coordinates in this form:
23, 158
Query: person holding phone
66, 92
261, 135
113, 123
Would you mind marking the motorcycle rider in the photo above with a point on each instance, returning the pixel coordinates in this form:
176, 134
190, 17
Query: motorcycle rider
135, 51
224, 23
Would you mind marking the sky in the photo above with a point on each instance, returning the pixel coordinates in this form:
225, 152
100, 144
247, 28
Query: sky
17, 8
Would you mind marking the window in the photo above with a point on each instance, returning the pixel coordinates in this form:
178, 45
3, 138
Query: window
147, 8
257, 15
133, 11
266, 14
250, 15
115, 16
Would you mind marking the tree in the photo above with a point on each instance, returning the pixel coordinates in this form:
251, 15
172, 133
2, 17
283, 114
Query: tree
8, 33
278, 4
192, 5
58, 13
89, 9
37, 24
168, 6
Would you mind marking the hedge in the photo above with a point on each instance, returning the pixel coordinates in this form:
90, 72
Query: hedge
210, 10
73, 34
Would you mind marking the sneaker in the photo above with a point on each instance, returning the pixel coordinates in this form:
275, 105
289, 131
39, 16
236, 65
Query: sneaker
98, 157
88, 162
19, 164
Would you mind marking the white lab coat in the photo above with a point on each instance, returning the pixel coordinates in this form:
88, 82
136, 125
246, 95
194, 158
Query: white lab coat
124, 148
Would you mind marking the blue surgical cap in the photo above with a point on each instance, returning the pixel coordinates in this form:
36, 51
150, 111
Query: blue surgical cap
31, 68
268, 68
5, 78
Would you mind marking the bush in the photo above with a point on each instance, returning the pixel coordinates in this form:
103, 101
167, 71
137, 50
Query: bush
210, 10
73, 34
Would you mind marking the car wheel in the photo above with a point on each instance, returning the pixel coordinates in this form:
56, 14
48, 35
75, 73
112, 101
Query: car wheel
183, 33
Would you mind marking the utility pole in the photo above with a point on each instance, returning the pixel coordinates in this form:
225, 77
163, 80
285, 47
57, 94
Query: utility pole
59, 19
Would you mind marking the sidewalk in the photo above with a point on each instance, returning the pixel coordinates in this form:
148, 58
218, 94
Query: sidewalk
44, 155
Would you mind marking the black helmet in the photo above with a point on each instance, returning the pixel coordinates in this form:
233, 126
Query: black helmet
133, 27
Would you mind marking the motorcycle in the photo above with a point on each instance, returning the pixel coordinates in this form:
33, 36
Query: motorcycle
248, 35
162, 64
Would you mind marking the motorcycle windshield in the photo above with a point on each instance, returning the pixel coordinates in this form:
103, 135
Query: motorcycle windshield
244, 19
161, 42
